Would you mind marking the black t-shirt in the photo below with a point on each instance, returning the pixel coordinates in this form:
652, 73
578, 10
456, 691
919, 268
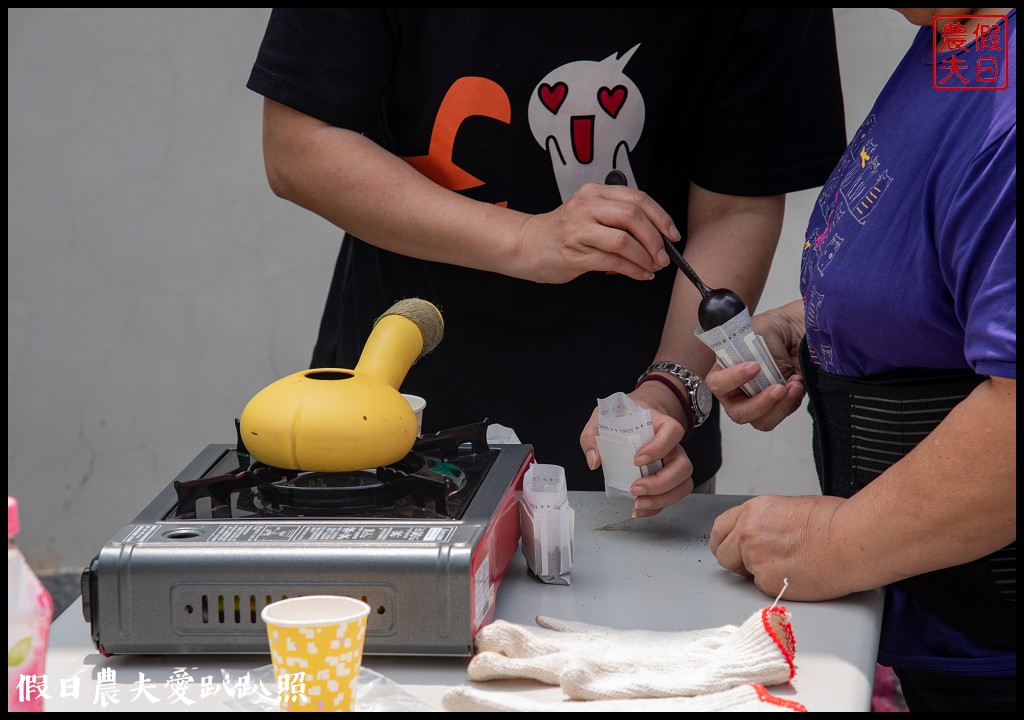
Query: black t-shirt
521, 107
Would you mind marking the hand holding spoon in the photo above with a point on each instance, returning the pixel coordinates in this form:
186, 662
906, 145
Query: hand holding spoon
716, 306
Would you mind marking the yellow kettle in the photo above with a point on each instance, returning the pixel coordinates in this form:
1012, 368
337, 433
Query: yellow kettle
338, 420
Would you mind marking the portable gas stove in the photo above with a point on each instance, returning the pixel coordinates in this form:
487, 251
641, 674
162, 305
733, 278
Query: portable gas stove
425, 542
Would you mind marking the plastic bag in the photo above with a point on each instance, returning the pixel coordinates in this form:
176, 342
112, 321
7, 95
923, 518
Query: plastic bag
256, 691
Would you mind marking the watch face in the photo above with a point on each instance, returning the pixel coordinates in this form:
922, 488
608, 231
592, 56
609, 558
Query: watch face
703, 398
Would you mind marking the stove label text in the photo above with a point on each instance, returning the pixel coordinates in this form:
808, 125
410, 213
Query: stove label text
139, 533
251, 533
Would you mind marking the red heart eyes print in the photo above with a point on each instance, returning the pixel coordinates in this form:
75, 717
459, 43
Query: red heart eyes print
612, 99
553, 95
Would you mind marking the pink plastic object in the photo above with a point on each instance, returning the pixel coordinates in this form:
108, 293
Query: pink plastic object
29, 613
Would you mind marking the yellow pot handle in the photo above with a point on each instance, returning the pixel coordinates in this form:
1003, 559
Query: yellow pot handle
339, 420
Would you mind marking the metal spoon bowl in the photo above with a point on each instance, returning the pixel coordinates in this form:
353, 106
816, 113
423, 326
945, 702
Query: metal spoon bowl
716, 306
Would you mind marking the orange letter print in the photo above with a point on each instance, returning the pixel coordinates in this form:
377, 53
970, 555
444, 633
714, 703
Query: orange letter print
466, 97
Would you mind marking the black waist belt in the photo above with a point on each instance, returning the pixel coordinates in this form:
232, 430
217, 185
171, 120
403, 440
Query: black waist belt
861, 427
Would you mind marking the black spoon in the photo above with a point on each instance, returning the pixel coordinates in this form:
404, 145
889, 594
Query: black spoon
716, 306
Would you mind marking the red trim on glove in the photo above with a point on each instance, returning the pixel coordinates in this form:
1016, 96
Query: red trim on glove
764, 696
787, 644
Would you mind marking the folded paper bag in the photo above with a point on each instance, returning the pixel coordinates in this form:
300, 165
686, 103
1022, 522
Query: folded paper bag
546, 519
623, 428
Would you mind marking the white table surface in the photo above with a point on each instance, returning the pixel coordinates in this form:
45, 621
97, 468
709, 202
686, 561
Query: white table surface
653, 573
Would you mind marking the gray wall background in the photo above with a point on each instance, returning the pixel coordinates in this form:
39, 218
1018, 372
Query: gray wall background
155, 284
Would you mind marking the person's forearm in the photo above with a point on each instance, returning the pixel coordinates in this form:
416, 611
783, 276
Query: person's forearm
950, 500
355, 184
730, 244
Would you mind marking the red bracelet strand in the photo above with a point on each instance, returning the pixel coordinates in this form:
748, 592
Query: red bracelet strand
687, 410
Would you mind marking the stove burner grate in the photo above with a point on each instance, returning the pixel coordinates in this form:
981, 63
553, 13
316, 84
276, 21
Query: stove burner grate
436, 480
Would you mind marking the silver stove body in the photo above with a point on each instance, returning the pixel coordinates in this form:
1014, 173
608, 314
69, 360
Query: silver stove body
169, 586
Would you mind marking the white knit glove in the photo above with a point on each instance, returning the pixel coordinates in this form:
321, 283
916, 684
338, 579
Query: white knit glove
742, 698
507, 650
591, 662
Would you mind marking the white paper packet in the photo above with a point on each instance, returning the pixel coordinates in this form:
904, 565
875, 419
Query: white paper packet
501, 435
735, 342
623, 428
546, 520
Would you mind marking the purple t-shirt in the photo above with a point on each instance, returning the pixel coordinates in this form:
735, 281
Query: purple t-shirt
910, 261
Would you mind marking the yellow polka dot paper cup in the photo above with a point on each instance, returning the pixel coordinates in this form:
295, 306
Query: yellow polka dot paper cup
316, 645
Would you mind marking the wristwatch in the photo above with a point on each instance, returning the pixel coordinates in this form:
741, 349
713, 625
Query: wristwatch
698, 400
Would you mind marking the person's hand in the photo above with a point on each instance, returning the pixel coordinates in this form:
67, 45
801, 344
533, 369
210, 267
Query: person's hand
606, 228
674, 481
775, 403
775, 539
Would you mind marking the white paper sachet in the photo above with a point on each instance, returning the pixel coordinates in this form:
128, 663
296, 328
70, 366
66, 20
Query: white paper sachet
623, 428
735, 342
501, 435
546, 519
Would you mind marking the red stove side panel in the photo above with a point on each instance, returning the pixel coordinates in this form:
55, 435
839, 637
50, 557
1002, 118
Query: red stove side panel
495, 552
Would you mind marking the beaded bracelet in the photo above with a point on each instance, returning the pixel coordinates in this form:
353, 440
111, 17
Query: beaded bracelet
691, 420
